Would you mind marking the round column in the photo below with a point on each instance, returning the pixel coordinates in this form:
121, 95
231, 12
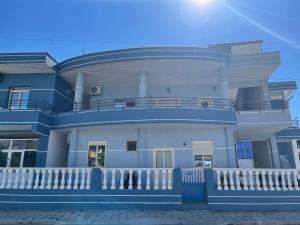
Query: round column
78, 96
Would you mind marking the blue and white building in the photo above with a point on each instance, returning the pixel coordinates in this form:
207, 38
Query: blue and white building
172, 123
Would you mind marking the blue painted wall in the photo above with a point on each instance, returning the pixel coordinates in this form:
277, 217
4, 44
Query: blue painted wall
47, 87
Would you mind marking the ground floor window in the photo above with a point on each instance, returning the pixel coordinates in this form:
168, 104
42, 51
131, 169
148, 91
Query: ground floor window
18, 152
202, 153
243, 149
163, 158
96, 154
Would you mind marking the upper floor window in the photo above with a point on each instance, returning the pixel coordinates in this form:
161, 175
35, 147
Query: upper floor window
243, 149
18, 98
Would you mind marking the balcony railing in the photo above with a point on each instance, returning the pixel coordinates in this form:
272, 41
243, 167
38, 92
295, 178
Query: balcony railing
153, 102
26, 105
296, 123
260, 105
131, 103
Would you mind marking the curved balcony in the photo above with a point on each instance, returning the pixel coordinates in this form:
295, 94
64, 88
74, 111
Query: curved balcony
148, 110
124, 111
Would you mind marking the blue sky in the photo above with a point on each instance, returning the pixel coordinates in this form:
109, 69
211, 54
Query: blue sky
67, 28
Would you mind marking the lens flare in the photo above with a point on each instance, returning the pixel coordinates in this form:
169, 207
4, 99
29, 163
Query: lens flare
201, 2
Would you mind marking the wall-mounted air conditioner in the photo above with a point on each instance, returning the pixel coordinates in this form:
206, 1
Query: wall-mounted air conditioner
95, 90
205, 102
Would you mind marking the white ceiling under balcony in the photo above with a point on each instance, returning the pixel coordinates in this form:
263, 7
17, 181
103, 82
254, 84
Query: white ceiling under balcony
241, 69
159, 72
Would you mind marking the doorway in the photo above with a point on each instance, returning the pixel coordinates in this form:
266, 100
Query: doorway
261, 154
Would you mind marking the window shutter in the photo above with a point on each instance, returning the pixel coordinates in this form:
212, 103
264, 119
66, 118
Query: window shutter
202, 147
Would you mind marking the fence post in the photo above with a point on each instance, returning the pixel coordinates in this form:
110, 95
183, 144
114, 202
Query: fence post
177, 181
96, 179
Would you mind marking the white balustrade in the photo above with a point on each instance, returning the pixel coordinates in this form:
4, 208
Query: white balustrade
137, 178
257, 179
45, 178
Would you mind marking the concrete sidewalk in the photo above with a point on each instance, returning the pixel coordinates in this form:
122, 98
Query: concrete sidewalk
146, 217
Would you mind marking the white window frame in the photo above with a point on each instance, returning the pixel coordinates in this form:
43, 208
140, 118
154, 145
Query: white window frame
97, 143
155, 150
212, 153
10, 151
20, 91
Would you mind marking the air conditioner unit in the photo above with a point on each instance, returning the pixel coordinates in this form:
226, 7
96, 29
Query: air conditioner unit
95, 90
205, 103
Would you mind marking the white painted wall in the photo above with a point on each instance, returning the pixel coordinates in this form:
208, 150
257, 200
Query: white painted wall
57, 155
178, 136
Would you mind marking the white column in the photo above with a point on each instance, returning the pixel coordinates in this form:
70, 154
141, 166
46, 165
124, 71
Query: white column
266, 95
275, 153
296, 157
224, 82
142, 85
78, 97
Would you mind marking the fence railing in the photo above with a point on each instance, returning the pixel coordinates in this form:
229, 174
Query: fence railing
192, 175
140, 179
45, 178
257, 179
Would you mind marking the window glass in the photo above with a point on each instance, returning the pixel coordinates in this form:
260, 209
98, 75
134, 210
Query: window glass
24, 99
207, 162
29, 159
14, 100
3, 159
198, 161
15, 160
247, 150
243, 149
4, 144
24, 144
168, 159
101, 156
131, 145
92, 156
159, 159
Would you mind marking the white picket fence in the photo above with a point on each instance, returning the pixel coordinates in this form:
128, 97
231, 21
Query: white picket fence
137, 178
192, 175
257, 179
45, 178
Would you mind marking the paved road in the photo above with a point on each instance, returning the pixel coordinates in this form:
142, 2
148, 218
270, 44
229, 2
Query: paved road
144, 217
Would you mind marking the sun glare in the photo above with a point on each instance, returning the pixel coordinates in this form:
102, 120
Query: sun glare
201, 2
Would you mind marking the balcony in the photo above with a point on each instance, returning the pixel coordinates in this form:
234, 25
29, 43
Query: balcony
32, 116
262, 117
147, 110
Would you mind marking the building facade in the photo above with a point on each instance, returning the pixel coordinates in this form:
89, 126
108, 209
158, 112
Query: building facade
155, 107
